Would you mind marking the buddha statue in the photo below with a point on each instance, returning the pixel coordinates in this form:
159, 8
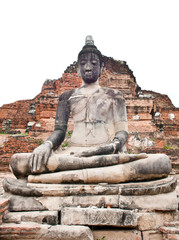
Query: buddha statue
97, 149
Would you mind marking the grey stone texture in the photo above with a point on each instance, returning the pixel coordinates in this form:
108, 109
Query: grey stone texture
74, 189
63, 232
98, 217
49, 217
18, 203
162, 202
149, 195
152, 187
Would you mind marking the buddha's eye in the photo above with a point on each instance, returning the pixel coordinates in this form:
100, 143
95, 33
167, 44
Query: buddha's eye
83, 62
94, 62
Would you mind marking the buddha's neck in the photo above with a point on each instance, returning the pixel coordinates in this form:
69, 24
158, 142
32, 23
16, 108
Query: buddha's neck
89, 88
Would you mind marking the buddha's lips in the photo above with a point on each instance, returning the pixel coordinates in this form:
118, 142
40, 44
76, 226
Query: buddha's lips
88, 74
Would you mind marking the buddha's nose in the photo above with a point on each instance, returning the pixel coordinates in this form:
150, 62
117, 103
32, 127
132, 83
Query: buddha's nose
88, 67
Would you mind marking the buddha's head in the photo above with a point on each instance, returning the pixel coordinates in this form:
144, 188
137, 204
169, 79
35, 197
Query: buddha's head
89, 62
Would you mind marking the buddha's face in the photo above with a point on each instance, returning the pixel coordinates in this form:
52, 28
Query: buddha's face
89, 68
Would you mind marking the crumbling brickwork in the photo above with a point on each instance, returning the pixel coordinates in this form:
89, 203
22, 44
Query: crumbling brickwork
16, 144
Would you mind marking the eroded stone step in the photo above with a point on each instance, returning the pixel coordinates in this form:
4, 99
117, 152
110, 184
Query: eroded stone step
159, 202
120, 218
18, 203
28, 230
98, 217
49, 217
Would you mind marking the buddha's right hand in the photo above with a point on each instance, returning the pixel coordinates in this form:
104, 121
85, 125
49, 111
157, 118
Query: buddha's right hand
40, 157
105, 149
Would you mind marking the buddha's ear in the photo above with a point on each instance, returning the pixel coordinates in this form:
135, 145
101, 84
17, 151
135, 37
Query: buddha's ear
102, 68
78, 71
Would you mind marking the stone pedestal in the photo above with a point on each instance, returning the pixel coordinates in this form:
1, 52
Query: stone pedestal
118, 211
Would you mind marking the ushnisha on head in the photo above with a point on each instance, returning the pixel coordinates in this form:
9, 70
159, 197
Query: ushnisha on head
90, 62
89, 47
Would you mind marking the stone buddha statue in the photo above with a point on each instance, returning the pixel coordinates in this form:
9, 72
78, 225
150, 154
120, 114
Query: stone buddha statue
96, 152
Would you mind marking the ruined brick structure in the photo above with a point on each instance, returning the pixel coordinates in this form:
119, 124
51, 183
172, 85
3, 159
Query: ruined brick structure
152, 118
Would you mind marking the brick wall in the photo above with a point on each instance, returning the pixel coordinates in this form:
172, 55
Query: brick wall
16, 144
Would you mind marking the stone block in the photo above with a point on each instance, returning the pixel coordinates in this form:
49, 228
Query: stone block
161, 202
18, 203
49, 217
44, 231
63, 232
55, 203
98, 217
152, 235
153, 220
117, 234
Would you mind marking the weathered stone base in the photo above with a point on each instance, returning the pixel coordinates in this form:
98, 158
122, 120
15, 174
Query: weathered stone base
129, 211
151, 195
159, 202
66, 224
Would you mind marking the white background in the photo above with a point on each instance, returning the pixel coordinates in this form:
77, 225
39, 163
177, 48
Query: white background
40, 38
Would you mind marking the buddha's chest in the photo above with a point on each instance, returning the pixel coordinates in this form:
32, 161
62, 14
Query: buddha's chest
93, 108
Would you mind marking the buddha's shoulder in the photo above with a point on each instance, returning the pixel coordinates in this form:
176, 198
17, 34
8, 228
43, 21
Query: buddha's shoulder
66, 95
112, 92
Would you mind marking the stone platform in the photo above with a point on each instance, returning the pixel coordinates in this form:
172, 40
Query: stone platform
89, 211
150, 195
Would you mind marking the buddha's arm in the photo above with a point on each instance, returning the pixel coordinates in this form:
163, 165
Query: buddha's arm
61, 121
120, 119
41, 154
